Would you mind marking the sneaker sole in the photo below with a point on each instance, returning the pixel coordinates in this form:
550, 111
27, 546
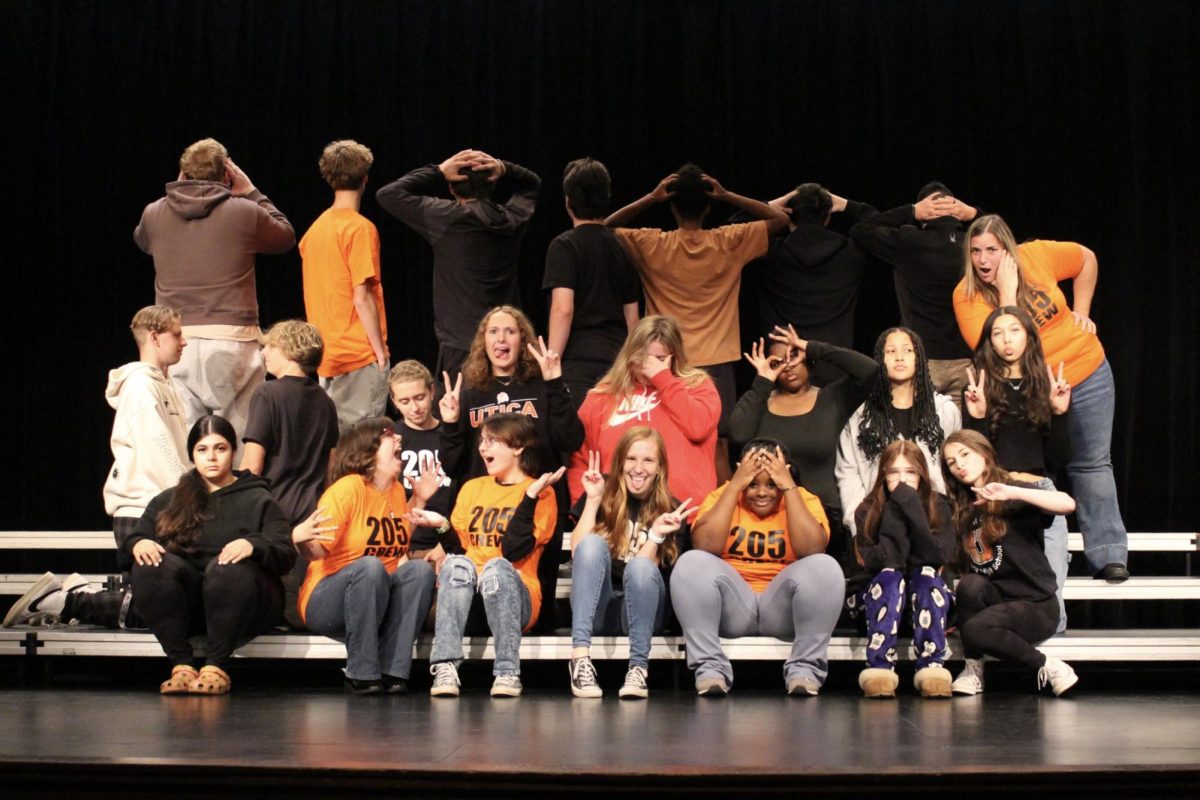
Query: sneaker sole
966, 692
1068, 687
506, 692
443, 691
633, 693
35, 593
587, 693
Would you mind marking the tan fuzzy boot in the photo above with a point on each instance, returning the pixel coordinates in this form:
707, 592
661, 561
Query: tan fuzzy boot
880, 683
933, 682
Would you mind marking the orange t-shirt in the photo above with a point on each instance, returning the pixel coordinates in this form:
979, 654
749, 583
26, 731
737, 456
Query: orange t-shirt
1044, 264
370, 525
482, 511
694, 277
341, 251
759, 547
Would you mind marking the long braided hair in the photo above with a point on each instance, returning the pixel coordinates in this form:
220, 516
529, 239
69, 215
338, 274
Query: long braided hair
877, 428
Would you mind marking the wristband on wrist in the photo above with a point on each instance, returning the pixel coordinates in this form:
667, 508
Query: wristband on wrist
445, 526
656, 538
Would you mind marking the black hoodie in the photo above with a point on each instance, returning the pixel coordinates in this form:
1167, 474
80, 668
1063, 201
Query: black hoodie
242, 510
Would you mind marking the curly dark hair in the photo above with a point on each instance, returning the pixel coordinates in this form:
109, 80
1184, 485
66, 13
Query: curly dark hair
877, 428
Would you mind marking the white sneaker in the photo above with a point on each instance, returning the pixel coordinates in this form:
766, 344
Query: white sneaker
506, 686
1058, 674
583, 678
970, 680
445, 679
712, 687
635, 684
41, 605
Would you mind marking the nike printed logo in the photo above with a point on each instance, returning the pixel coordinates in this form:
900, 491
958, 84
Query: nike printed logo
633, 407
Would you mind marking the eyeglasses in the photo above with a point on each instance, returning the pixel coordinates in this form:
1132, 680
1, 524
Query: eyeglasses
488, 441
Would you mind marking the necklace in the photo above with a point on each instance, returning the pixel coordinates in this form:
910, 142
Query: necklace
1016, 387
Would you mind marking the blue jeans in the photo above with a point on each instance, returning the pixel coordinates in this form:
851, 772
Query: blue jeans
801, 605
376, 614
596, 607
506, 602
882, 603
1055, 545
1090, 470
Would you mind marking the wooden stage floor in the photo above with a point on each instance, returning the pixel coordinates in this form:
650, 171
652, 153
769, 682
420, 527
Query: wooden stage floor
264, 742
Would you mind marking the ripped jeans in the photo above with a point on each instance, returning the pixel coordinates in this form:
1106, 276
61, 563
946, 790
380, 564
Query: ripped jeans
506, 602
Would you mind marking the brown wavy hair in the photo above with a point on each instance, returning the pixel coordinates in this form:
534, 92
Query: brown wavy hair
878, 495
612, 518
191, 503
963, 499
477, 368
995, 225
1035, 391
356, 448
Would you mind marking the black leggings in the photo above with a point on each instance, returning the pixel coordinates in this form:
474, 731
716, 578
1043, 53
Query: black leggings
1005, 629
232, 603
110, 609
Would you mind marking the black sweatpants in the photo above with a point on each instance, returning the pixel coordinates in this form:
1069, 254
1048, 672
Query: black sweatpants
232, 603
1005, 629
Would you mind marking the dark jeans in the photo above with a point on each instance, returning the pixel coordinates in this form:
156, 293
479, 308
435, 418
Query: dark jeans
1006, 629
231, 603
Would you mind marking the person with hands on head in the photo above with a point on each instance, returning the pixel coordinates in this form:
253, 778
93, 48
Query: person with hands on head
510, 370
361, 586
999, 272
690, 273
905, 537
476, 240
504, 520
923, 242
758, 567
207, 558
1022, 406
652, 383
1005, 599
629, 532
784, 404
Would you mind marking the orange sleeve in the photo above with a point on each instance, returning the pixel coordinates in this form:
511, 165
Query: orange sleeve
746, 240
813, 504
970, 313
362, 252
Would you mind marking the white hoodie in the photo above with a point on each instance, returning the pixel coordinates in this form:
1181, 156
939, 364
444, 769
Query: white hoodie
149, 440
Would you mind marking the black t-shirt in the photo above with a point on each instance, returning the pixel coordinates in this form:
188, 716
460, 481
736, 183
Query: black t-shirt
295, 421
591, 260
683, 540
1020, 447
903, 419
1018, 567
415, 446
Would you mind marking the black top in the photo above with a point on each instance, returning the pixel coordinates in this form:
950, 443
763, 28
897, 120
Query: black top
929, 264
475, 244
1018, 567
905, 540
415, 446
295, 421
242, 510
810, 438
1020, 447
683, 540
810, 278
591, 260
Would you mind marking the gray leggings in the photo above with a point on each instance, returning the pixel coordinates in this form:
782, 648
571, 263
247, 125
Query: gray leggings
801, 604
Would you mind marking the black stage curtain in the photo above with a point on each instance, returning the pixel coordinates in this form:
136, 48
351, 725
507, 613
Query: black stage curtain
1076, 120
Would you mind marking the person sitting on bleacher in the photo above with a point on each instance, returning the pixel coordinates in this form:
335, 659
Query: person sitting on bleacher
629, 532
758, 568
362, 588
208, 556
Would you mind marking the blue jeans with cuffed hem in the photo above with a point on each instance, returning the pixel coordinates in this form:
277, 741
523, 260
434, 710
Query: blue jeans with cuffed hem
506, 602
637, 610
1093, 401
376, 614
801, 605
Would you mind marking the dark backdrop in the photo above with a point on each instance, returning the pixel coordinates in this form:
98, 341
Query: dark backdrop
1076, 120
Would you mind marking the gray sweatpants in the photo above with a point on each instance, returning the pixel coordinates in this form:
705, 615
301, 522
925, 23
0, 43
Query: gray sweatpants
802, 604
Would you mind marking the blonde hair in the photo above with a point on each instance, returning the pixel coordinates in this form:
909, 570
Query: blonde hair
298, 340
204, 161
995, 225
345, 163
410, 370
612, 518
620, 380
477, 369
153, 319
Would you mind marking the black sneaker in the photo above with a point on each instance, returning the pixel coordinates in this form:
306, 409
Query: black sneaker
394, 685
1113, 573
363, 687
